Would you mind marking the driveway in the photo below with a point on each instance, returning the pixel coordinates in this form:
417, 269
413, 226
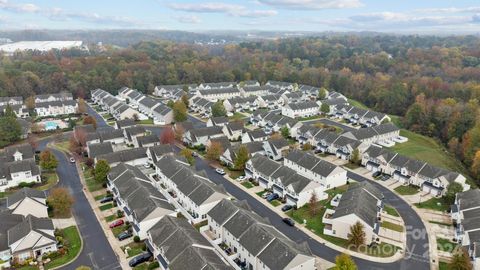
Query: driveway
96, 251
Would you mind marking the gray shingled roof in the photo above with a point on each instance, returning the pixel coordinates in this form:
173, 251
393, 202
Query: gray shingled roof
97, 149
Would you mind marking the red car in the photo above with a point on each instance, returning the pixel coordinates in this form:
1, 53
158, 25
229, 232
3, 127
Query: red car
116, 223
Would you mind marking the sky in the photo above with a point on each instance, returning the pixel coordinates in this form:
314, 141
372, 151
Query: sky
394, 16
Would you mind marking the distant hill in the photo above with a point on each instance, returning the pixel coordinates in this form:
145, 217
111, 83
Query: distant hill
122, 38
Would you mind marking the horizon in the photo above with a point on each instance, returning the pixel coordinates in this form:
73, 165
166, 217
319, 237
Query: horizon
312, 16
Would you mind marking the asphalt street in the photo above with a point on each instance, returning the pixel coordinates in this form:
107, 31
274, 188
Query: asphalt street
417, 257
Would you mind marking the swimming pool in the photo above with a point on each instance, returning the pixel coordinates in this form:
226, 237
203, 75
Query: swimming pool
51, 125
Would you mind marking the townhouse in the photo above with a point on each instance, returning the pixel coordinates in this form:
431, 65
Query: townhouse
133, 98
363, 203
115, 137
294, 97
240, 104
431, 179
25, 202
355, 115
216, 85
271, 101
282, 85
176, 244
154, 153
190, 191
249, 83
229, 155
122, 124
336, 106
57, 107
316, 169
465, 213
382, 134
25, 237
223, 141
301, 109
271, 121
147, 105
275, 148
64, 96
216, 94
148, 141
17, 165
11, 101
170, 91
252, 241
131, 134
219, 121
257, 135
162, 115
142, 204
291, 186
200, 136
123, 92
134, 157
201, 106
310, 92
97, 95
20, 110
334, 95
123, 111
98, 149
233, 130
255, 90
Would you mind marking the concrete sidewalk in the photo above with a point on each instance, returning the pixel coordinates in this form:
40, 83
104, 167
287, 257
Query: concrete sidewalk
114, 243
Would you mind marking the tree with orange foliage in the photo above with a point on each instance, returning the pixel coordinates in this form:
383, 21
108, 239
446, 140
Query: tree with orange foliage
90, 120
167, 136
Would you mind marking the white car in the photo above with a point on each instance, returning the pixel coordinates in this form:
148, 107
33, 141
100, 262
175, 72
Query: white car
146, 165
220, 171
241, 178
72, 160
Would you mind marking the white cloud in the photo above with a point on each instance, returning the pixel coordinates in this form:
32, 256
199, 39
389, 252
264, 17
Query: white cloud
191, 19
215, 7
449, 10
313, 4
59, 14
16, 7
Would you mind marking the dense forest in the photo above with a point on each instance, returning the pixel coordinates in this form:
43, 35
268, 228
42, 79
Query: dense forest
432, 81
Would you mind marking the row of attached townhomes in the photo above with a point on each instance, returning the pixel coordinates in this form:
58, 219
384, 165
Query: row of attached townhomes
17, 165
355, 115
55, 104
141, 202
121, 107
189, 190
25, 230
301, 109
466, 216
16, 104
273, 122
201, 106
290, 185
406, 170
363, 203
251, 241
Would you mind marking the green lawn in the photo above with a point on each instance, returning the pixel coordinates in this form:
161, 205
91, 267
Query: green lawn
446, 245
92, 185
436, 204
135, 248
427, 149
106, 206
390, 210
407, 190
441, 223
148, 121
247, 184
111, 218
309, 118
392, 226
442, 265
99, 197
51, 180
261, 193
236, 116
357, 104
72, 242
397, 120
275, 203
117, 230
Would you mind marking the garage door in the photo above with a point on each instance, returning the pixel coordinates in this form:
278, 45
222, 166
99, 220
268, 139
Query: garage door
291, 201
426, 188
372, 168
263, 183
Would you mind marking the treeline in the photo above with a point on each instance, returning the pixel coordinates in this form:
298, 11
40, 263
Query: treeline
434, 79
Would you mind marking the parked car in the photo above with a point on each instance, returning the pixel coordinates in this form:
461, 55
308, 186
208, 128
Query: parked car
116, 223
289, 221
72, 160
146, 165
106, 199
220, 171
266, 194
194, 154
140, 259
240, 178
124, 235
286, 207
385, 177
376, 174
272, 197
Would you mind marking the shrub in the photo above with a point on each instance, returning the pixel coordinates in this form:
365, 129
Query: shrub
25, 184
119, 213
136, 239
